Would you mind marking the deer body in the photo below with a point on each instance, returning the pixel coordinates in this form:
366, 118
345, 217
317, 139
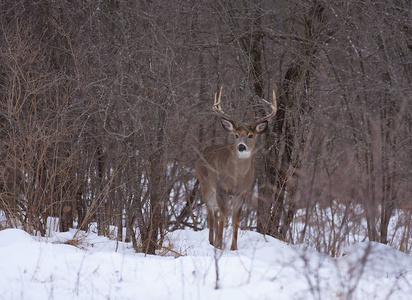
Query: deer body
222, 190
226, 175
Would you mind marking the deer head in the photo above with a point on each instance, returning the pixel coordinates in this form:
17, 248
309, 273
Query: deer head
245, 135
225, 173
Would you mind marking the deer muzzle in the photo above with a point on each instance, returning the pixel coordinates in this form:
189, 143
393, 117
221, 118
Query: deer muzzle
242, 151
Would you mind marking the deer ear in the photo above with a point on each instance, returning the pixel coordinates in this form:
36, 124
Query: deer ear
261, 127
227, 124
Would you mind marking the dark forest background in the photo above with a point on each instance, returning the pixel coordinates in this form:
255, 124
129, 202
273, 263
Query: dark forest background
105, 105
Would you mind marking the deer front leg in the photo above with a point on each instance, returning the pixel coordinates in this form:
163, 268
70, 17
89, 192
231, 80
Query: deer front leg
236, 212
219, 237
211, 224
210, 202
221, 200
236, 221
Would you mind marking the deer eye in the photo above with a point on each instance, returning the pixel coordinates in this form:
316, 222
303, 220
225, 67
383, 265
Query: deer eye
237, 136
250, 136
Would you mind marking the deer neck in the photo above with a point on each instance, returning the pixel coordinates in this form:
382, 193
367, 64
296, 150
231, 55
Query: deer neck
240, 162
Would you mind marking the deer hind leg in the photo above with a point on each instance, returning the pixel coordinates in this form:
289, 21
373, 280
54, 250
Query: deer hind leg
217, 243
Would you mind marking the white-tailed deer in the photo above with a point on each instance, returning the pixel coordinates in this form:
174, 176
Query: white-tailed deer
226, 173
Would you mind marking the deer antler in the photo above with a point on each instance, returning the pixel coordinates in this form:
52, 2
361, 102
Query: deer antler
272, 106
218, 108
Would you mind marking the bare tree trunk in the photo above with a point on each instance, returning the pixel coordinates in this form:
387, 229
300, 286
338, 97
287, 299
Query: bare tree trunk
102, 222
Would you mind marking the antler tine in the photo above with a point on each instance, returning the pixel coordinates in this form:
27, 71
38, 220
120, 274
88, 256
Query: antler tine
217, 105
272, 106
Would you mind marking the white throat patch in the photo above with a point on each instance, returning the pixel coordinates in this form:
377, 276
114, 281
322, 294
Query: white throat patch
243, 154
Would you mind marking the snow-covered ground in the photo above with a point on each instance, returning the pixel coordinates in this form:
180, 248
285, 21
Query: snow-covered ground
262, 268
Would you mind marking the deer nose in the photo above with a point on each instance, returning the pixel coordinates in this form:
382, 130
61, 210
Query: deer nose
242, 148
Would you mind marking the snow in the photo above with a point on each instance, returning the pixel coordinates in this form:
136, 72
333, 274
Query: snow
262, 268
